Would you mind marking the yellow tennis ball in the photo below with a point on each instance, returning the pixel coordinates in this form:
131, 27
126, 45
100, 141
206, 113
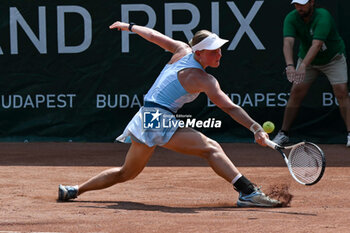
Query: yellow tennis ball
269, 127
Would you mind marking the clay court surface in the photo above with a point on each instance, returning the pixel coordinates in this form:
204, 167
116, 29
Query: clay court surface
175, 193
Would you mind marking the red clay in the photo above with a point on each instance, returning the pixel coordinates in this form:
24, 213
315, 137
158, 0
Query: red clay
175, 193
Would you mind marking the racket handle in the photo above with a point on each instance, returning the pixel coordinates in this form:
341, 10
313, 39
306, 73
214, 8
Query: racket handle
271, 144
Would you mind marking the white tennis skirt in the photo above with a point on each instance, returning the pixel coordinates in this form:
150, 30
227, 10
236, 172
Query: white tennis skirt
151, 126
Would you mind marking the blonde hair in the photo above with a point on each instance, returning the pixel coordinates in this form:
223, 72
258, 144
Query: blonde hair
199, 36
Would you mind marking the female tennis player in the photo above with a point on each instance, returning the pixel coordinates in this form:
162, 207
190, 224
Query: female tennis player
180, 82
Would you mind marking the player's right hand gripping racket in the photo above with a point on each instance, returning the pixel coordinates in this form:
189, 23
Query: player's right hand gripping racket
306, 161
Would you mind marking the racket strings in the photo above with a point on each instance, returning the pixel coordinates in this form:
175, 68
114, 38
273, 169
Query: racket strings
306, 163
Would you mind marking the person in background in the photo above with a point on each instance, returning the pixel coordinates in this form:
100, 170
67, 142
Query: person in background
321, 50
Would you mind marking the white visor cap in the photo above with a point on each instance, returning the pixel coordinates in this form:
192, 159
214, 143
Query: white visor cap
302, 2
211, 42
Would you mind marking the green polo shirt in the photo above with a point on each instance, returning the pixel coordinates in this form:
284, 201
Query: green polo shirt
321, 27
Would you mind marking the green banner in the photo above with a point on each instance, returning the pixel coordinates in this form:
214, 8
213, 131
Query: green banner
66, 77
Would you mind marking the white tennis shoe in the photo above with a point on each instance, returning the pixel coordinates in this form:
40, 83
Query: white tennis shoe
256, 199
348, 144
281, 138
66, 193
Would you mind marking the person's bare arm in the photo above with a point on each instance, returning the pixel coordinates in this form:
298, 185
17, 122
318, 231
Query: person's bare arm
153, 36
288, 44
212, 89
203, 82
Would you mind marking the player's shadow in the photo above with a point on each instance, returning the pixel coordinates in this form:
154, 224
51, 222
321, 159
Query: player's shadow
128, 205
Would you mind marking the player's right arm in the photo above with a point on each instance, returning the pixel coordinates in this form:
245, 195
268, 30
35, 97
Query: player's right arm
165, 42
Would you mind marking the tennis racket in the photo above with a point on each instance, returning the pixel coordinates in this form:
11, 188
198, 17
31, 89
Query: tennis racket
306, 161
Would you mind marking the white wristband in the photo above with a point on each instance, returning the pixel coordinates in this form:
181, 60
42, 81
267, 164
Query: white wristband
255, 127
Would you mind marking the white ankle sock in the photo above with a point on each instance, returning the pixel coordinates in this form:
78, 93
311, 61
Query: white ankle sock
236, 178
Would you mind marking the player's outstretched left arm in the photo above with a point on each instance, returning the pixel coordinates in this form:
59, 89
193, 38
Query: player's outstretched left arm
153, 36
210, 86
237, 113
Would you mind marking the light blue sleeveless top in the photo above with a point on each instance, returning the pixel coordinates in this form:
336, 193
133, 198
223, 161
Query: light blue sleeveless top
167, 90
